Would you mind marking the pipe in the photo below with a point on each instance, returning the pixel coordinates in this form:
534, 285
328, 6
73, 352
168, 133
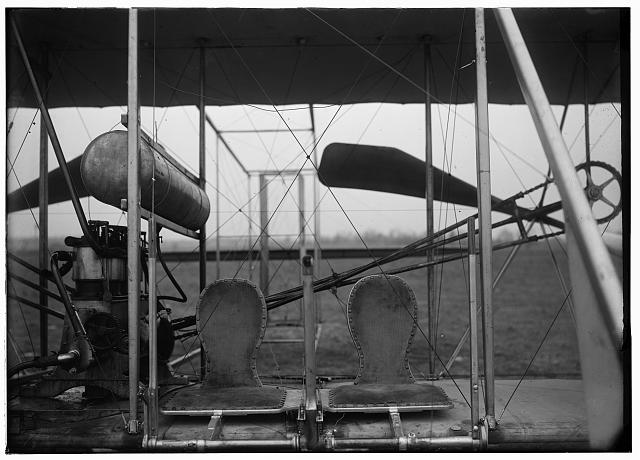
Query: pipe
203, 173
43, 215
316, 205
57, 148
204, 445
62, 359
412, 443
309, 313
473, 327
151, 424
184, 358
428, 160
483, 165
72, 313
133, 220
577, 211
264, 236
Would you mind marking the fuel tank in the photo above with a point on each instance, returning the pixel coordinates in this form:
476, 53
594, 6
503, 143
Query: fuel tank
104, 173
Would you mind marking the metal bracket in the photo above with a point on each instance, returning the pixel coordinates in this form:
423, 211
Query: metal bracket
215, 425
396, 428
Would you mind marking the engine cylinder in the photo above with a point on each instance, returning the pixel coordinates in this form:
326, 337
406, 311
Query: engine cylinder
104, 173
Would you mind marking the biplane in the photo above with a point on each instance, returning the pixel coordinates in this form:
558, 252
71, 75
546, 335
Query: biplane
114, 384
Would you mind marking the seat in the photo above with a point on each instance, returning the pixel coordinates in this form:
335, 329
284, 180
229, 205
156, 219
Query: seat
231, 318
382, 314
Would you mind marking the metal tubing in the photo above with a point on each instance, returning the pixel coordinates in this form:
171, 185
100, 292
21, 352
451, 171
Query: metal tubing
473, 327
57, 148
133, 220
585, 77
224, 142
202, 259
429, 203
29, 303
203, 445
413, 443
151, 422
218, 208
309, 334
183, 359
484, 214
309, 313
264, 236
43, 216
316, 211
203, 172
250, 230
301, 216
577, 211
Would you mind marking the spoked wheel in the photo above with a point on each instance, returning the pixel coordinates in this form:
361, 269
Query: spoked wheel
603, 187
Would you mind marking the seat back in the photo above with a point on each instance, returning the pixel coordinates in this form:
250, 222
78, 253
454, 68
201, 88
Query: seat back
382, 313
231, 318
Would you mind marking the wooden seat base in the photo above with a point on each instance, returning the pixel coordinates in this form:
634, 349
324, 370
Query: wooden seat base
207, 400
406, 397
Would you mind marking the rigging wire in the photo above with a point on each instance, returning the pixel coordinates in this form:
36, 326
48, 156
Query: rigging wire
346, 215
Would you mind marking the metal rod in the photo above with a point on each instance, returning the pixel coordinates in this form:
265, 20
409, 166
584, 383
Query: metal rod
429, 204
42, 290
203, 181
184, 358
316, 206
250, 224
309, 313
473, 328
405, 442
577, 211
218, 267
302, 249
133, 219
585, 77
484, 213
29, 303
253, 131
151, 424
202, 171
224, 142
203, 445
264, 236
43, 217
57, 148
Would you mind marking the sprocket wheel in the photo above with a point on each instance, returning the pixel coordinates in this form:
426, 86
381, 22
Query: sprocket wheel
595, 192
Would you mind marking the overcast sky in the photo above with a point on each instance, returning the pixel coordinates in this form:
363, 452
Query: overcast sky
517, 159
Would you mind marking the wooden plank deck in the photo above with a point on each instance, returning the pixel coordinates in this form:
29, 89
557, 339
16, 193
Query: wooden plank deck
544, 414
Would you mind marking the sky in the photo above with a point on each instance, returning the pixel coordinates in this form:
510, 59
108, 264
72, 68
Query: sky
517, 160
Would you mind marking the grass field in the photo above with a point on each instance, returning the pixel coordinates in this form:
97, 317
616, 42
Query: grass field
525, 303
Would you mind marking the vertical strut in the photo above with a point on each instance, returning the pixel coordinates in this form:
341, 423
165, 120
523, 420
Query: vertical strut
202, 259
250, 237
473, 327
152, 423
429, 198
133, 219
484, 208
203, 176
43, 217
218, 208
316, 207
264, 236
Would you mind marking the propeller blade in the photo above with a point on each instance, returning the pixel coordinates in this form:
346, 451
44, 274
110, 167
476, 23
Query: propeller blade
27, 196
387, 169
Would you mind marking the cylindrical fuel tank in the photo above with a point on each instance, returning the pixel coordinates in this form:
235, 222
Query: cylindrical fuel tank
104, 172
